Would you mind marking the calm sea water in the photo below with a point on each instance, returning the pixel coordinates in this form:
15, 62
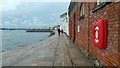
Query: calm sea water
14, 38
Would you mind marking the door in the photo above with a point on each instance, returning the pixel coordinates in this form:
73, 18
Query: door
74, 34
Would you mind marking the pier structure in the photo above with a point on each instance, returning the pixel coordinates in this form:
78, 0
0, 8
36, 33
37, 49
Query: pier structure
39, 30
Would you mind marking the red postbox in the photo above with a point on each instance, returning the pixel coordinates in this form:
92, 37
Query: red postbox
100, 33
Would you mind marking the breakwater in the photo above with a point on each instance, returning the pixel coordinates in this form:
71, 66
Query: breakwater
39, 30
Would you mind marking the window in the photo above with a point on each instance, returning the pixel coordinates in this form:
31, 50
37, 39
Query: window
100, 4
101, 1
82, 10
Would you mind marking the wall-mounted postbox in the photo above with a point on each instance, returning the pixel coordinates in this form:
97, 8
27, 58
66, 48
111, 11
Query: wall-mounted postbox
100, 33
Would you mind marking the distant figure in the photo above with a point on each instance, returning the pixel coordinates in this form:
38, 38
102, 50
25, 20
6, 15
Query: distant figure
62, 31
59, 31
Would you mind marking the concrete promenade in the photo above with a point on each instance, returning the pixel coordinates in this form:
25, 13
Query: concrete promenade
54, 51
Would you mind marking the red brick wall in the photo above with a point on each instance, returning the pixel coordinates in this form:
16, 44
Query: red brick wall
73, 23
111, 12
83, 23
109, 55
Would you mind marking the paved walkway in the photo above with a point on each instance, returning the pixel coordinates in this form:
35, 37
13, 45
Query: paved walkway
54, 51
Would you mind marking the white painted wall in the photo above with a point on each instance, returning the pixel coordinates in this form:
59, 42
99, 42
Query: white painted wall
64, 24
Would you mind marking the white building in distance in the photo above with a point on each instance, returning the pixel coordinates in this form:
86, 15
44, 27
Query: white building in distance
64, 22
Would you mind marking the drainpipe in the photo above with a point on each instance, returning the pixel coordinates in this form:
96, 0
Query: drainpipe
88, 24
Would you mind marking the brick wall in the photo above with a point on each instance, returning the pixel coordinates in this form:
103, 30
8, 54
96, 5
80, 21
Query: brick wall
73, 22
110, 55
83, 23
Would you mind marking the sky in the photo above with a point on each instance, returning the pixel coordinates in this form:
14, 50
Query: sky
31, 13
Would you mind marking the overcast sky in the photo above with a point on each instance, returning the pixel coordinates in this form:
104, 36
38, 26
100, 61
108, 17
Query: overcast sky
33, 14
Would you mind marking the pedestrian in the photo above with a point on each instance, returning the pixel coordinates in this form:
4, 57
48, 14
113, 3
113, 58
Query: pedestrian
62, 31
58, 31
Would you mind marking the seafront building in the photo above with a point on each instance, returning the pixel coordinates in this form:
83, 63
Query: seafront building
105, 16
64, 22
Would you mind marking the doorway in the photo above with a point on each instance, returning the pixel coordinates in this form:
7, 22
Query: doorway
74, 28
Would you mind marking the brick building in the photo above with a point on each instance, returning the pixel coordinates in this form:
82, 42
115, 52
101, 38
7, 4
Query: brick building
81, 19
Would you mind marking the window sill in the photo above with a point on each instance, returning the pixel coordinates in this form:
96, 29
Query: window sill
99, 6
81, 17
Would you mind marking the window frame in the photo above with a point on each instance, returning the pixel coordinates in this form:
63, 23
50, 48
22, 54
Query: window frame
100, 5
101, 1
82, 11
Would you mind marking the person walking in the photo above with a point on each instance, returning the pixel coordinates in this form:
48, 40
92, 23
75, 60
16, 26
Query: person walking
62, 31
58, 31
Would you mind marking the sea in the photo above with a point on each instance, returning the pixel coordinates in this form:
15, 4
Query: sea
14, 38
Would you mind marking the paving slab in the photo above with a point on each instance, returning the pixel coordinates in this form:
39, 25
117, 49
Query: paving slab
62, 57
78, 59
